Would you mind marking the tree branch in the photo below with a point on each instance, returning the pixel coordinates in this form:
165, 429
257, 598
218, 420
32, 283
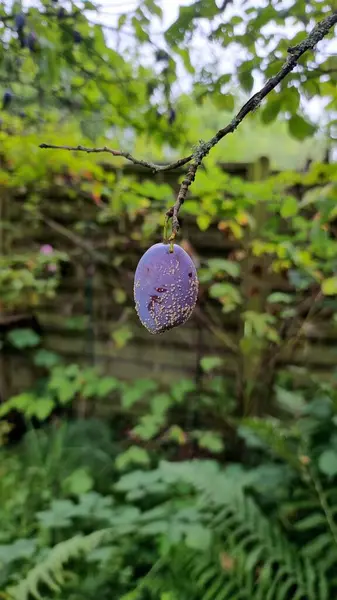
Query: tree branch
203, 149
148, 165
316, 35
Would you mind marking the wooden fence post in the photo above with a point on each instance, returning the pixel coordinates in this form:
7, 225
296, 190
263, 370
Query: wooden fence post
255, 290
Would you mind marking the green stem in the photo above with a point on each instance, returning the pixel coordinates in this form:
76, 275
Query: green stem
324, 505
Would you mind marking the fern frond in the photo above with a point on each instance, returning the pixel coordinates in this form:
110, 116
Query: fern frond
50, 571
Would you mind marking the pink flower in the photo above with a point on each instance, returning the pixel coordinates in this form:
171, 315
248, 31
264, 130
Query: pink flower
46, 249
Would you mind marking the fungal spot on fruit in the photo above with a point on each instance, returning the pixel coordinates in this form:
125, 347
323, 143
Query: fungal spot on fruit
190, 274
154, 299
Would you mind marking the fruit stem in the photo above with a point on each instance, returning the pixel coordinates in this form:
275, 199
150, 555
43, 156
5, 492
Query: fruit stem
171, 241
165, 229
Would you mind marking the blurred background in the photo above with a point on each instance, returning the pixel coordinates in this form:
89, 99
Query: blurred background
200, 464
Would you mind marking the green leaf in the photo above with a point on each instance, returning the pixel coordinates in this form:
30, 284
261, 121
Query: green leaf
203, 222
122, 335
59, 515
217, 265
299, 128
310, 522
271, 110
106, 385
45, 358
246, 78
280, 298
289, 207
23, 338
225, 291
22, 403
79, 482
198, 537
176, 434
133, 455
181, 388
210, 441
18, 550
136, 391
290, 401
43, 408
66, 390
148, 427
160, 403
208, 363
328, 463
329, 286
224, 101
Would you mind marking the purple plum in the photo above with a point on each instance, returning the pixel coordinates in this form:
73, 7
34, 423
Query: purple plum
165, 287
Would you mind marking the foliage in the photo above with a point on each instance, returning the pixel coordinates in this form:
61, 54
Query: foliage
199, 490
25, 280
199, 530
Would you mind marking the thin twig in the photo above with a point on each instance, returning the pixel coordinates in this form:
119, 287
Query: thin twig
75, 239
148, 165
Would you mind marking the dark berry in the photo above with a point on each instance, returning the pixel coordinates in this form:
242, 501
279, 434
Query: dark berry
165, 288
23, 41
31, 41
20, 22
161, 55
171, 116
61, 13
77, 37
6, 99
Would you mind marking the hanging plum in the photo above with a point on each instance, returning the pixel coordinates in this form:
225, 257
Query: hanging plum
165, 287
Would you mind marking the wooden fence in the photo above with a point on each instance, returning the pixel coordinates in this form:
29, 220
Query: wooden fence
84, 292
